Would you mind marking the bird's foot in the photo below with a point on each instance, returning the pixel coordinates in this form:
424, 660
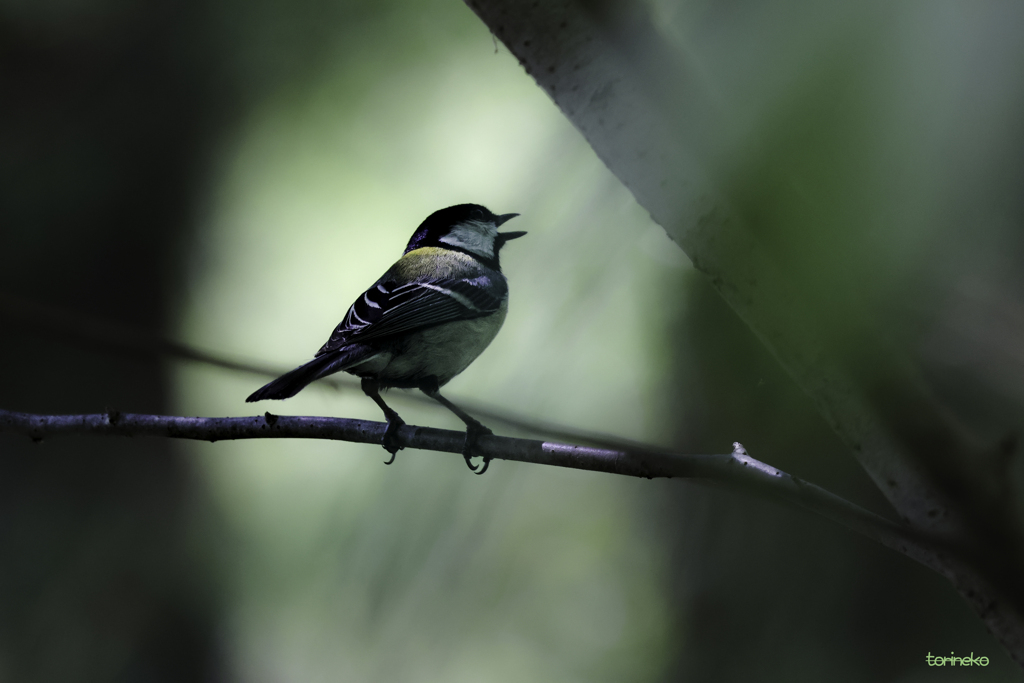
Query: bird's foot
472, 448
391, 442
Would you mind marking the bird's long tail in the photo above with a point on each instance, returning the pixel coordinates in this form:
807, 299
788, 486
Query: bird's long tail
291, 383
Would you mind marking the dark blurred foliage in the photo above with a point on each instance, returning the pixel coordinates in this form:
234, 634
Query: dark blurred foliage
885, 183
110, 111
103, 125
767, 593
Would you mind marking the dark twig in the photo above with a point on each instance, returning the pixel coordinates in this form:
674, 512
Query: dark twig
79, 329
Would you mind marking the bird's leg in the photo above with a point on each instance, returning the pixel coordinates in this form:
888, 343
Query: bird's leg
474, 430
390, 441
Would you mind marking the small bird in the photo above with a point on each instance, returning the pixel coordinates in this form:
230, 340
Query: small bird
423, 322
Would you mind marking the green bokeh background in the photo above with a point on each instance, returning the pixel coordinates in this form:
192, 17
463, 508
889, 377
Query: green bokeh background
234, 174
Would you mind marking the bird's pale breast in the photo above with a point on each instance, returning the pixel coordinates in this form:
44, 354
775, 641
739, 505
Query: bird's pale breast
442, 351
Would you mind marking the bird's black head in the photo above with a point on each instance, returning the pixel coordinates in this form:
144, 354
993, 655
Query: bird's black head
468, 228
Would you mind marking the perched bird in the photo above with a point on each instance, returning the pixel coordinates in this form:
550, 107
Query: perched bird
423, 322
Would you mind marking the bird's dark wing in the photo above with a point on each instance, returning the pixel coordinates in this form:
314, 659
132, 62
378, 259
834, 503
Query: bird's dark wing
389, 308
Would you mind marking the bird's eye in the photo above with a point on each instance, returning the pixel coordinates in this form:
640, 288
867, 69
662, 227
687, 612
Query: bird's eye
476, 214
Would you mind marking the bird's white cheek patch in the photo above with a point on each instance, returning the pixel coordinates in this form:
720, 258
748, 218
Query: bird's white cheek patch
473, 236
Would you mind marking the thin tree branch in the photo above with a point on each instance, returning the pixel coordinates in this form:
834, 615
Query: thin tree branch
736, 470
605, 454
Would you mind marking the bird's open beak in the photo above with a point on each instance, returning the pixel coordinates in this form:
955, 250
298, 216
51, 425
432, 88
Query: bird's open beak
503, 237
504, 218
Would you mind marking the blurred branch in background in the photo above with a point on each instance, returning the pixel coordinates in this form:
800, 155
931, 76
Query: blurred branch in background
80, 329
780, 217
736, 470
105, 336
